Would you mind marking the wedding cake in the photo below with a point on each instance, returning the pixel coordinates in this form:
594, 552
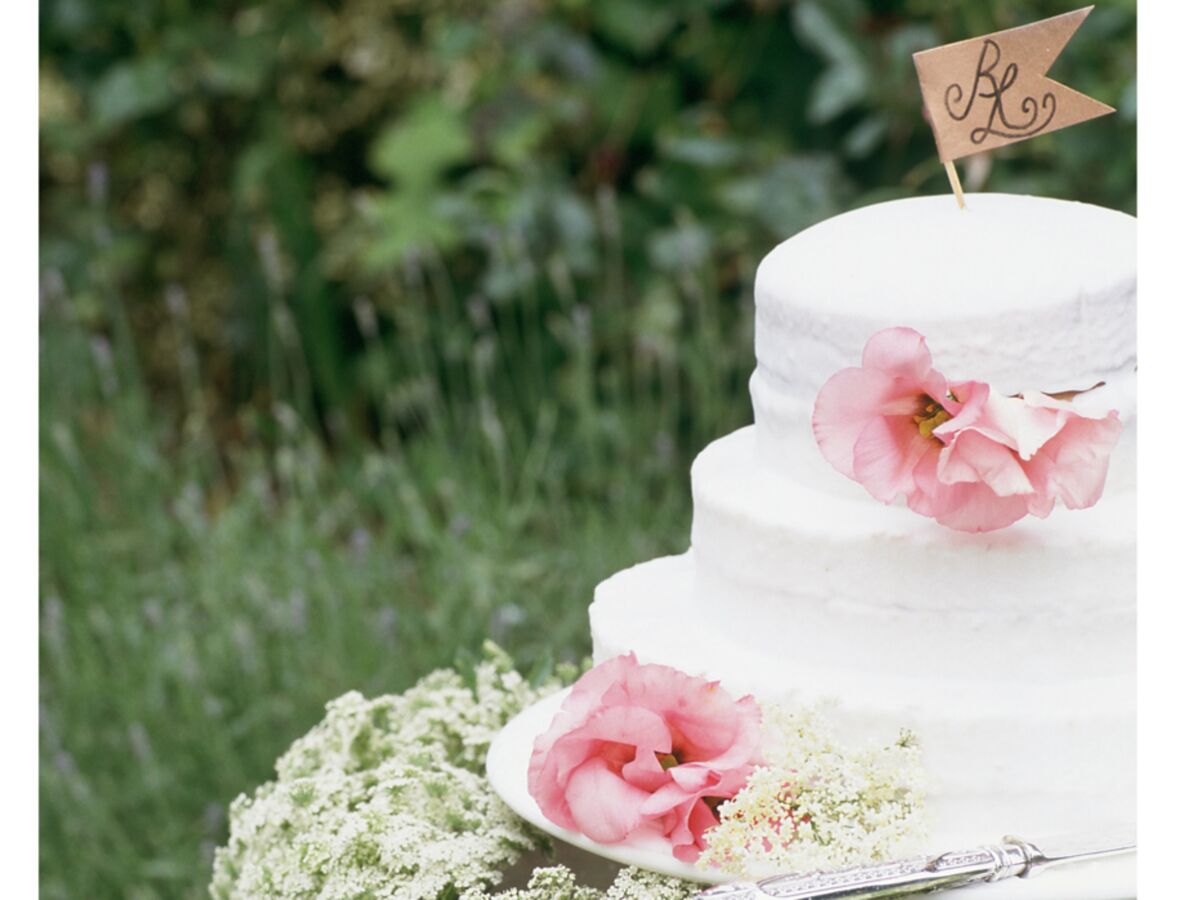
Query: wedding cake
1008, 652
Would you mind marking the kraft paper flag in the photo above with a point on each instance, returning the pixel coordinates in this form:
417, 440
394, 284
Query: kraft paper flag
990, 91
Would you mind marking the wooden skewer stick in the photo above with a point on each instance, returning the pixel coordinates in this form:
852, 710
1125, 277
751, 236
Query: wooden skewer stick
952, 173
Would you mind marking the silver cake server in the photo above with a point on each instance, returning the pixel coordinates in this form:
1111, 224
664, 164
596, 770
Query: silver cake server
1013, 857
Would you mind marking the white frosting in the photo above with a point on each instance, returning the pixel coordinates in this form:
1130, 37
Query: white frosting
1010, 653
1057, 594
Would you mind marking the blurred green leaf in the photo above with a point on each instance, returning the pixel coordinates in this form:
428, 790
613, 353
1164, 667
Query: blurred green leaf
130, 90
683, 247
514, 144
865, 136
701, 150
837, 89
845, 81
792, 194
828, 28
429, 139
407, 222
241, 69
640, 25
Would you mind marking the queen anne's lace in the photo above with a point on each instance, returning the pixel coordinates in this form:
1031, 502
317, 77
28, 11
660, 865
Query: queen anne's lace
558, 883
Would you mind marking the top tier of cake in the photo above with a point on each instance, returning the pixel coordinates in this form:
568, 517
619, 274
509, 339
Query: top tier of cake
1026, 293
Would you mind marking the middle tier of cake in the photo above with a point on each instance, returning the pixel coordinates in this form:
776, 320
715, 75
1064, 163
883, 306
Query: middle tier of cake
850, 583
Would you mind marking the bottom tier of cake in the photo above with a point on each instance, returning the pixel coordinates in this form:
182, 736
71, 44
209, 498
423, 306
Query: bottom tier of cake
1002, 757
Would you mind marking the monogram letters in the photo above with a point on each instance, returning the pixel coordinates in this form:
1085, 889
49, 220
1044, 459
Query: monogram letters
988, 88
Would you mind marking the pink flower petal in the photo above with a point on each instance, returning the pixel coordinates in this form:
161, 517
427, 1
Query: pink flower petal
900, 352
863, 418
585, 696
972, 457
976, 508
965, 401
846, 404
1016, 424
550, 768
668, 797
688, 836
744, 744
632, 725
645, 771
555, 756
700, 819
963, 507
605, 807
696, 778
885, 454
731, 738
1040, 505
1073, 465
593, 684
704, 723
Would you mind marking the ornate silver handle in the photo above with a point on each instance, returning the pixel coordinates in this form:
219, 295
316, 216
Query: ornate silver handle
918, 874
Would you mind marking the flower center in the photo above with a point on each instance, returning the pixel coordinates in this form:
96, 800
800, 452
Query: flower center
667, 760
931, 414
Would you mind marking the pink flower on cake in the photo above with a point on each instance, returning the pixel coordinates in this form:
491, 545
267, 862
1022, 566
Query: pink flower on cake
961, 453
644, 747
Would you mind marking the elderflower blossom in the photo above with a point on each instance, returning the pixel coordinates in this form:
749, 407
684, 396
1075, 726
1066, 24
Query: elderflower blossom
817, 804
385, 798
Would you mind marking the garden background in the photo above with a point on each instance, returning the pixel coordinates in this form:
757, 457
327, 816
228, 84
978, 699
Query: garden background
374, 329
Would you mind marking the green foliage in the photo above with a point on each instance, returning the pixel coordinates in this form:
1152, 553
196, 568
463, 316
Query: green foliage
372, 330
311, 158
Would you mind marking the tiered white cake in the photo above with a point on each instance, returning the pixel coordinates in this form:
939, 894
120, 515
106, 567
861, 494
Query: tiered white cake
1011, 653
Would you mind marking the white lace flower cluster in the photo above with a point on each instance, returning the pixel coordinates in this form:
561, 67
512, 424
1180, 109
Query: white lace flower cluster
387, 798
818, 804
384, 798
558, 883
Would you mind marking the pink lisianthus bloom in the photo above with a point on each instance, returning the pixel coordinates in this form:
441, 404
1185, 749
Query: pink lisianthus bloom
959, 452
644, 747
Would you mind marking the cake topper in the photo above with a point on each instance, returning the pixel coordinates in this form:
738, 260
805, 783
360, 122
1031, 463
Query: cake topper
990, 91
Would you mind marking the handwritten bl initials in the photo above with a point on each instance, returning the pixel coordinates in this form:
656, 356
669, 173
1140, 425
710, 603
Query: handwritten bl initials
988, 88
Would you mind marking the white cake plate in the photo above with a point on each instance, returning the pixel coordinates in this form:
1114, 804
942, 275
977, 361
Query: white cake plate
508, 765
